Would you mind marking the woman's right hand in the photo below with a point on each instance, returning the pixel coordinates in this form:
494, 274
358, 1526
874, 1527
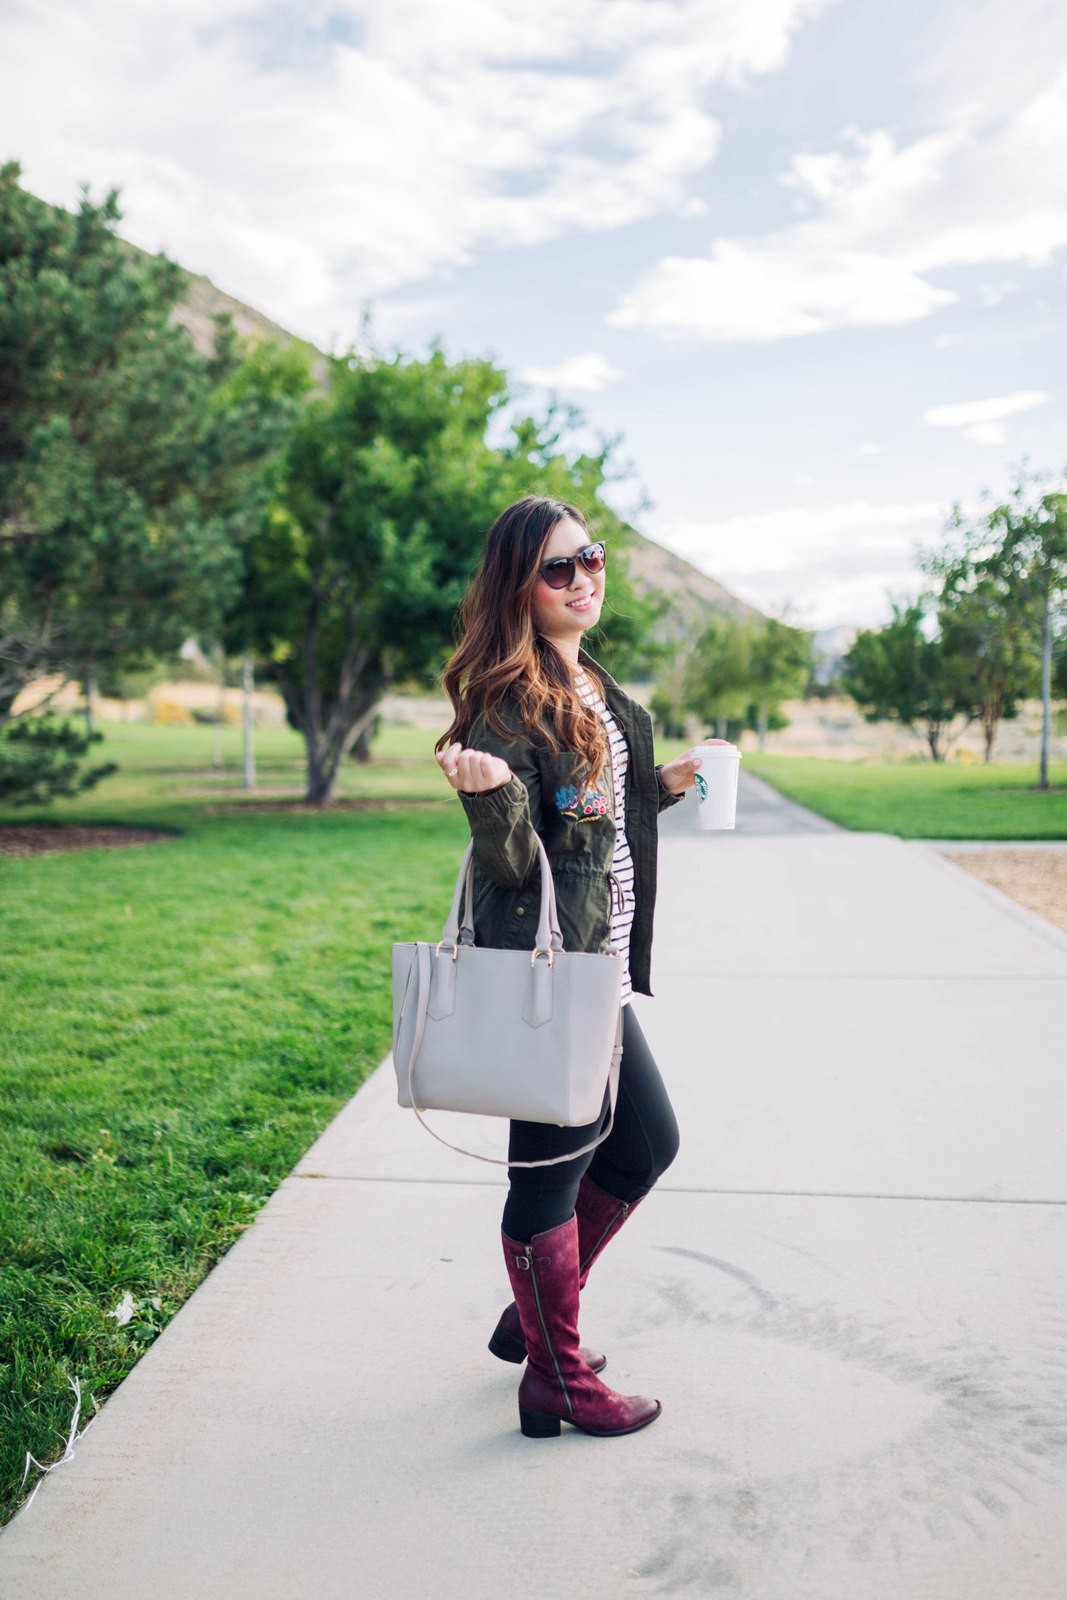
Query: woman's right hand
680, 774
473, 771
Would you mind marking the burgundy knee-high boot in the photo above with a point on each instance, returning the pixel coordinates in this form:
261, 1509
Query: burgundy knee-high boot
557, 1386
600, 1216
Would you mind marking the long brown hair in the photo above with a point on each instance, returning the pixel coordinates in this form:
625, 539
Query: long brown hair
500, 652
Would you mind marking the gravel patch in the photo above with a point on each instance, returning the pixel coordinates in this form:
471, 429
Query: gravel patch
1037, 879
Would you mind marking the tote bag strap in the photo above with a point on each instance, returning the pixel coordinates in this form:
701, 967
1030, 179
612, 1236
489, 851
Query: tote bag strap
422, 969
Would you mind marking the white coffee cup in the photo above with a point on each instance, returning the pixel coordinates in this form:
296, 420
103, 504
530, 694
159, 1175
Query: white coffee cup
716, 784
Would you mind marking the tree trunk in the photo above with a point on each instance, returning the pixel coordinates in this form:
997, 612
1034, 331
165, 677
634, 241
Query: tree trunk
361, 747
327, 747
992, 711
989, 729
762, 723
720, 727
249, 726
330, 731
91, 708
318, 783
1046, 690
220, 713
324, 760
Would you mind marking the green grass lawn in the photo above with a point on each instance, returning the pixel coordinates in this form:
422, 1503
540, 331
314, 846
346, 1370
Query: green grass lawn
179, 1022
918, 800
166, 775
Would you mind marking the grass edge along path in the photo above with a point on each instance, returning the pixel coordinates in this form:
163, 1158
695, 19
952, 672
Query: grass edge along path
921, 800
180, 1022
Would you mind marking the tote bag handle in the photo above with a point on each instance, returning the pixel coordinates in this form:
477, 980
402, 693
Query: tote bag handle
549, 936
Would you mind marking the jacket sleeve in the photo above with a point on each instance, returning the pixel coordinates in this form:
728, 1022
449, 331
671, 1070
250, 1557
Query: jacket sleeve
505, 821
666, 798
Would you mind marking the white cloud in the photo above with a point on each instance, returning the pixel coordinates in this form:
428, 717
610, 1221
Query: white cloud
981, 420
308, 156
590, 372
879, 220
869, 449
836, 562
746, 293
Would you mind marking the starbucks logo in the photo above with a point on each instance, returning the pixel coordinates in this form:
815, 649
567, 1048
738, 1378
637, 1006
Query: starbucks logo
702, 787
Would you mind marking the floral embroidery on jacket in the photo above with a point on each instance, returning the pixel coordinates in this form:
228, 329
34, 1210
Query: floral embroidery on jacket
592, 803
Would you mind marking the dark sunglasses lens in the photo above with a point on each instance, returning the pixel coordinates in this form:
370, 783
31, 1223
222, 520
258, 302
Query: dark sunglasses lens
558, 574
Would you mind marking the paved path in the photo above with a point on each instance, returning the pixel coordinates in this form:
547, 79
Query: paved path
849, 1293
760, 809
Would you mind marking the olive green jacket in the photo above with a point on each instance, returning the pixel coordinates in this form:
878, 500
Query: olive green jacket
578, 832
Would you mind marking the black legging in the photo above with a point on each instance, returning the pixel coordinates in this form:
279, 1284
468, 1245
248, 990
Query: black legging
641, 1146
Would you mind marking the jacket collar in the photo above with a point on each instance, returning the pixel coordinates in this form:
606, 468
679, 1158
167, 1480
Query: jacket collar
585, 660
618, 703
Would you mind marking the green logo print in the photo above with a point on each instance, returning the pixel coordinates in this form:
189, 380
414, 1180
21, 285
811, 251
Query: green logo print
702, 787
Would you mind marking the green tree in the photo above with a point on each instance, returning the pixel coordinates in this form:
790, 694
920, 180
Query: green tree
780, 665
898, 674
716, 676
1031, 559
354, 576
127, 471
384, 495
983, 630
41, 758
1002, 603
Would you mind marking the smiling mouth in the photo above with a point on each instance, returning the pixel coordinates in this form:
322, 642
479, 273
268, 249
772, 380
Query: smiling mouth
580, 605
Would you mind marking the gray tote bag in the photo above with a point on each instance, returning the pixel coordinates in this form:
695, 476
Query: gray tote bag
530, 1034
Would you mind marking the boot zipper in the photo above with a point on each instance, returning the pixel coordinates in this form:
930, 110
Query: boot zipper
619, 1217
544, 1326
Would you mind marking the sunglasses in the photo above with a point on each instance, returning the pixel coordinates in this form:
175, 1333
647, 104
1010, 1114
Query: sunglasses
559, 574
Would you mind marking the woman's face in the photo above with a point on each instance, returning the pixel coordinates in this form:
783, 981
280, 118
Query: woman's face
563, 615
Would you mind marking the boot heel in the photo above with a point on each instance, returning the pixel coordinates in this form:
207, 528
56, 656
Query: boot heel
506, 1347
538, 1424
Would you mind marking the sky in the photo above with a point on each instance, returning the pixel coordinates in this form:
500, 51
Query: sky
807, 257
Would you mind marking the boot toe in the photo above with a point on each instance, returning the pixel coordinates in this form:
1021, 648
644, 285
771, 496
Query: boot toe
632, 1413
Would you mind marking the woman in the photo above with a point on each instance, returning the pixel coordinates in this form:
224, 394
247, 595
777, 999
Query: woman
544, 743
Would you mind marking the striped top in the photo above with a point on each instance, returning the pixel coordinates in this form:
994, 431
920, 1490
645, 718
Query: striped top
622, 866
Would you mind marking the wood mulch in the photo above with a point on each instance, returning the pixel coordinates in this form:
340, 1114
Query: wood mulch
1036, 879
50, 839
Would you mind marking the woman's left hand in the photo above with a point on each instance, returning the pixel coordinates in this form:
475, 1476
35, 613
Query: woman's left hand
680, 774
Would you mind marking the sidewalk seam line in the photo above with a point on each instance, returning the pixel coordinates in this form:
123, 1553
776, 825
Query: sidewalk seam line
664, 1188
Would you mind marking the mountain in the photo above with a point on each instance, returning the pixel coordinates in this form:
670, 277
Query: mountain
831, 645
203, 302
694, 597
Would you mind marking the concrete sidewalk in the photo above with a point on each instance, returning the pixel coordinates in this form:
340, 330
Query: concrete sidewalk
848, 1292
760, 809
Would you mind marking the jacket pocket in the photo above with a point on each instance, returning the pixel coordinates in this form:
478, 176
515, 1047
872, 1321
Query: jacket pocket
506, 919
583, 898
